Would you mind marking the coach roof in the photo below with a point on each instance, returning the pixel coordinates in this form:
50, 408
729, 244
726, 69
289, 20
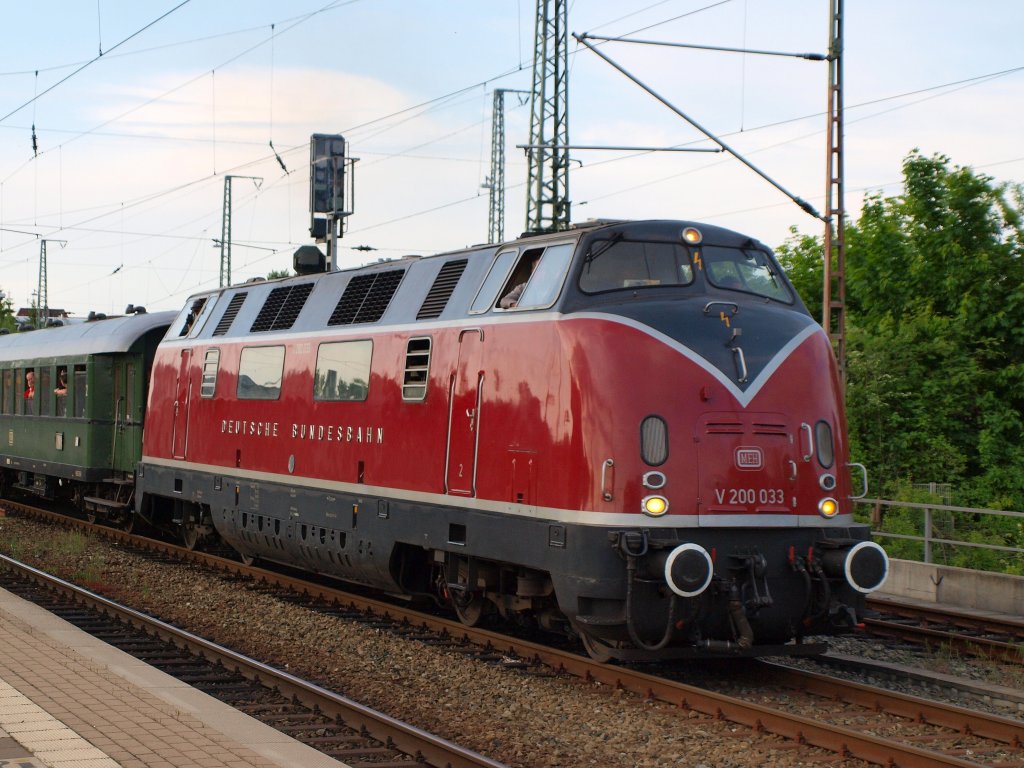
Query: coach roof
111, 335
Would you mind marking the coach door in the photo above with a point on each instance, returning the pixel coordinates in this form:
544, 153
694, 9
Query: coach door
183, 393
464, 415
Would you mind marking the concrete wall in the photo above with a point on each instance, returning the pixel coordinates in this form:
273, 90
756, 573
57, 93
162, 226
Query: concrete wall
980, 590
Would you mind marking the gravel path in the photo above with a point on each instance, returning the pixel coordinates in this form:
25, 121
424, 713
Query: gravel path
524, 721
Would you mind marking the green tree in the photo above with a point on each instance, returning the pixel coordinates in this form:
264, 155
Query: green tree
6, 312
801, 257
935, 331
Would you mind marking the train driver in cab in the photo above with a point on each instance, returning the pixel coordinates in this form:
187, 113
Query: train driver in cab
511, 299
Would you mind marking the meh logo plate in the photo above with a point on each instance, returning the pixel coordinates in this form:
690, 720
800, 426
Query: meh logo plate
749, 458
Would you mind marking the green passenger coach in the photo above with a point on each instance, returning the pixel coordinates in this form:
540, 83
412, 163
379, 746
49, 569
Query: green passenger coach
72, 406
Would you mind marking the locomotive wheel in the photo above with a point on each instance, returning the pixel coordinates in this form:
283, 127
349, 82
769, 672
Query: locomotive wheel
128, 524
189, 534
469, 609
595, 649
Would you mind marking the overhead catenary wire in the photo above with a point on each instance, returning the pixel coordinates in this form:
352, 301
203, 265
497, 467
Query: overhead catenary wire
63, 80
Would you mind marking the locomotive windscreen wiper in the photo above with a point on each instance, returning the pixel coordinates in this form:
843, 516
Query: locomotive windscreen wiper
594, 253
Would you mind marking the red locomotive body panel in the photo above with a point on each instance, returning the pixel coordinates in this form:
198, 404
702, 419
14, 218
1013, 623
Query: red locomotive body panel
552, 404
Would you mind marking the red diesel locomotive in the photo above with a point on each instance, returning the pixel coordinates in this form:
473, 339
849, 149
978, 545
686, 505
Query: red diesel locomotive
628, 431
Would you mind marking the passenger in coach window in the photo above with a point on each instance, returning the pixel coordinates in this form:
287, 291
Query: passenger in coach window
511, 299
62, 382
30, 384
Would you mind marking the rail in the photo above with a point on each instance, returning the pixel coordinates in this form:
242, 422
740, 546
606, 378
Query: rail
932, 536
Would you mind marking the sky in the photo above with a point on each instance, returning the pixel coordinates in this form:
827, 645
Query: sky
120, 120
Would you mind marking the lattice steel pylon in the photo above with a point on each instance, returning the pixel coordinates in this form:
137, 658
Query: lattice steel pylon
547, 188
42, 299
225, 236
225, 229
834, 293
495, 183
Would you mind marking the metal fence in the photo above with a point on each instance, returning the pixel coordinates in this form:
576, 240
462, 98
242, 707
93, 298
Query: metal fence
929, 538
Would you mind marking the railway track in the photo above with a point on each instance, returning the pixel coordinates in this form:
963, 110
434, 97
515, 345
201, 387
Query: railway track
898, 730
322, 719
996, 637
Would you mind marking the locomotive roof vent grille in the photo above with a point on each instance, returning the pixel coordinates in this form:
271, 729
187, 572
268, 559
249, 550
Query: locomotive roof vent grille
366, 297
230, 313
442, 289
282, 308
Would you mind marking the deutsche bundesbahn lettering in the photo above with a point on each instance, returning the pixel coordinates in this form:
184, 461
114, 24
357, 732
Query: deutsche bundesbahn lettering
328, 433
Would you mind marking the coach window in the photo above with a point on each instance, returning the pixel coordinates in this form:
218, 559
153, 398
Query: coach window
343, 370
43, 391
6, 391
488, 294
61, 391
129, 392
28, 391
210, 365
78, 391
260, 371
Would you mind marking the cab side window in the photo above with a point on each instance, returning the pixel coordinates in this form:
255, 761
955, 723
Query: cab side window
537, 278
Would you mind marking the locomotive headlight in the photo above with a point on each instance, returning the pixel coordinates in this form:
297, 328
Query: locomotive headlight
692, 235
828, 507
655, 506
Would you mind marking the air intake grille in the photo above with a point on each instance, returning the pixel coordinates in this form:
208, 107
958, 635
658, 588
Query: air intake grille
366, 298
229, 314
654, 440
441, 290
282, 307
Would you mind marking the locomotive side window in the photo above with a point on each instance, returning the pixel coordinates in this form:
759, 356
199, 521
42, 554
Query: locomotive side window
544, 279
748, 269
6, 391
211, 363
417, 369
79, 393
192, 318
260, 371
495, 278
343, 370
614, 264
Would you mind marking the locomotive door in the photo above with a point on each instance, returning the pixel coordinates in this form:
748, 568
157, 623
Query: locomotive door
747, 465
182, 395
464, 415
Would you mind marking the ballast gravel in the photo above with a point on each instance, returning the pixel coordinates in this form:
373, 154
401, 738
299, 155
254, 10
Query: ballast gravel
521, 720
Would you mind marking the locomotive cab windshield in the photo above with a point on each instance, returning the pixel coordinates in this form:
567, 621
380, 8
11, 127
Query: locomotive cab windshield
618, 262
